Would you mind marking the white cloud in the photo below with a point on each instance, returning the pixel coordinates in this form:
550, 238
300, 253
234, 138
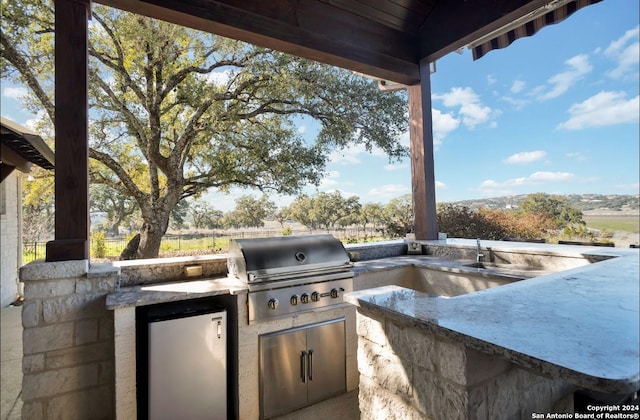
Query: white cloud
576, 156
443, 124
441, 185
491, 80
516, 102
219, 78
491, 187
395, 166
387, 192
302, 129
14, 92
602, 109
561, 82
625, 51
330, 180
517, 86
526, 157
471, 110
344, 157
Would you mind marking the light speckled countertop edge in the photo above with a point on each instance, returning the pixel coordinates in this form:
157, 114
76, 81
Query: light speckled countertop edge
624, 267
143, 295
535, 365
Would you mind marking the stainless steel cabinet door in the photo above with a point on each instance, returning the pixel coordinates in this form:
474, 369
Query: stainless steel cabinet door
326, 361
283, 372
187, 368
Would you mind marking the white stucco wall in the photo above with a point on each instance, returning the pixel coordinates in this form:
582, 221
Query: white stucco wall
9, 238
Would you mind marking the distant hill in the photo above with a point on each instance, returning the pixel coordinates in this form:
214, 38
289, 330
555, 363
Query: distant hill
582, 202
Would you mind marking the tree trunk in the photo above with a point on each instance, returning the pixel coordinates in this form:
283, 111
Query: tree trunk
150, 238
115, 228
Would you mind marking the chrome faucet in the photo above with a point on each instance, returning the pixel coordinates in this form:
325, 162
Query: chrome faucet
479, 254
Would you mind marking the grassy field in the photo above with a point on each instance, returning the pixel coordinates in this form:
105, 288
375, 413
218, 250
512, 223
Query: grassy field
621, 229
626, 223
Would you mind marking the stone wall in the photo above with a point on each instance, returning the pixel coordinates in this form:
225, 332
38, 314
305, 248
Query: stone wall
68, 342
407, 373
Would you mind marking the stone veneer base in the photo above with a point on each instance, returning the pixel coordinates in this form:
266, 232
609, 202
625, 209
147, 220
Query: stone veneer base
407, 373
68, 346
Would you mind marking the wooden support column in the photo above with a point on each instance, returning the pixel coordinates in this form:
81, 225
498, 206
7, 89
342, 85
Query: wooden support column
71, 125
421, 138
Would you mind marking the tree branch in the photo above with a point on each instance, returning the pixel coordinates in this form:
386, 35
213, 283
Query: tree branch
17, 60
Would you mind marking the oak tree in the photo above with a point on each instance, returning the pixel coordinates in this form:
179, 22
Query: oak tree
175, 112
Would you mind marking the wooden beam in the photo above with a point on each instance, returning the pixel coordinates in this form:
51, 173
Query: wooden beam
422, 167
453, 24
305, 28
71, 122
5, 170
13, 159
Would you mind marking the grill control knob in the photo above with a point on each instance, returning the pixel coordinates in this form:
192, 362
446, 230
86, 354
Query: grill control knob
294, 299
273, 304
304, 298
315, 296
335, 293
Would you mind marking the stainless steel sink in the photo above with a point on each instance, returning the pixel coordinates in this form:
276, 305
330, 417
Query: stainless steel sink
507, 268
492, 265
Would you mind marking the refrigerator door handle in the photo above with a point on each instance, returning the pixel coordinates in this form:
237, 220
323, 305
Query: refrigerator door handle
310, 368
218, 322
303, 366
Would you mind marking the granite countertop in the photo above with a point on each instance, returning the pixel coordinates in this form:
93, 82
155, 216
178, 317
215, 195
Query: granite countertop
174, 291
460, 266
581, 325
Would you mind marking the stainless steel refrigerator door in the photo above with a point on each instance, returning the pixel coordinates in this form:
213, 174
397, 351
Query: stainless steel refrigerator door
283, 367
326, 353
187, 368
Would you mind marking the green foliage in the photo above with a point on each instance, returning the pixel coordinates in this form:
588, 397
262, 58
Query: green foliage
287, 231
326, 210
98, 244
371, 213
397, 217
178, 111
117, 208
581, 232
249, 212
37, 202
554, 207
204, 216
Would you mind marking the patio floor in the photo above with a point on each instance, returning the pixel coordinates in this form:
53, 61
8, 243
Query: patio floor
11, 362
344, 407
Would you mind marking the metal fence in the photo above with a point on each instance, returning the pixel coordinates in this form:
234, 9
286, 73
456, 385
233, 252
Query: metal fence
215, 241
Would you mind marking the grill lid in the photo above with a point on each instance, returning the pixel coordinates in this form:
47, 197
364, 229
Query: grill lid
262, 259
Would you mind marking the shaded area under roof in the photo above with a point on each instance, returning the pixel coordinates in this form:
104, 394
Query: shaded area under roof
26, 143
386, 39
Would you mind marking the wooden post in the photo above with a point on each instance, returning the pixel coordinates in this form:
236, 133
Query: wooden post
71, 125
421, 138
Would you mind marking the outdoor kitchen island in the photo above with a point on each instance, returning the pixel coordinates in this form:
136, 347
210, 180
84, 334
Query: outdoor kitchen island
523, 346
514, 351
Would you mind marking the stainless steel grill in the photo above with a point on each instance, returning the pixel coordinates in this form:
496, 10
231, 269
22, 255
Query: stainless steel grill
290, 274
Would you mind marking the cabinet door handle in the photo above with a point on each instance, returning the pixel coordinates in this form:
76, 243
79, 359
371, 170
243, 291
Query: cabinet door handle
303, 366
310, 369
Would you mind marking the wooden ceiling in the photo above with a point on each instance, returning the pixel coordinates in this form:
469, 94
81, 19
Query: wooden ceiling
382, 38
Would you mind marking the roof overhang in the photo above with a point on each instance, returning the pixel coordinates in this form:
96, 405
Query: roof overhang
21, 147
386, 39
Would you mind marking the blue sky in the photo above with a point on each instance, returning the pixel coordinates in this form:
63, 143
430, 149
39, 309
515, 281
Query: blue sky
556, 113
